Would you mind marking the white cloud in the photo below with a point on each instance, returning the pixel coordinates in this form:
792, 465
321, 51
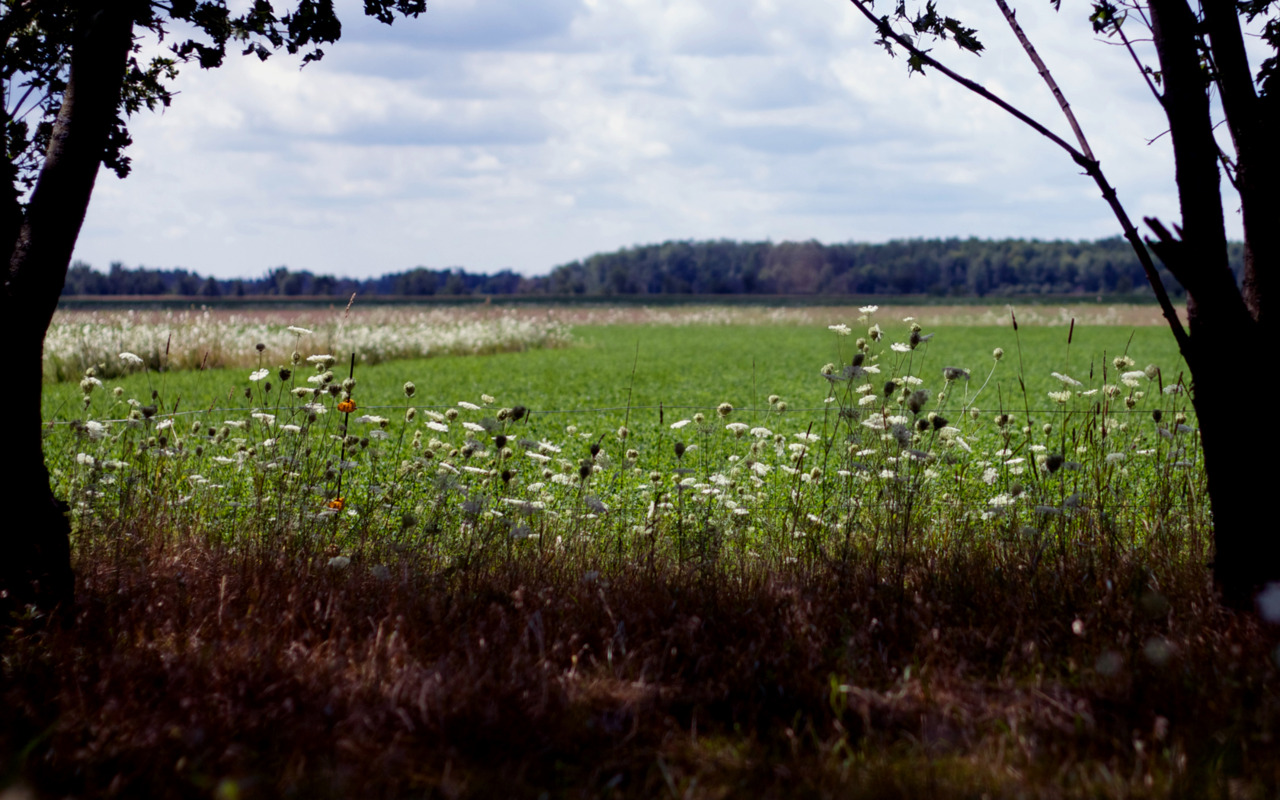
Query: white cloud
523, 135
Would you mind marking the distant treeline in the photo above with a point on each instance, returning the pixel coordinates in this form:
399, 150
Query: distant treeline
938, 267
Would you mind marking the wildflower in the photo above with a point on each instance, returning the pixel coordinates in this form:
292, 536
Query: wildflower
296, 331
89, 383
868, 309
955, 373
998, 353
623, 433
724, 409
899, 347
131, 359
409, 389
347, 406
840, 330
259, 374
473, 427
675, 426
874, 333
1060, 397
463, 404
1067, 380
488, 400
336, 503
1123, 362
322, 361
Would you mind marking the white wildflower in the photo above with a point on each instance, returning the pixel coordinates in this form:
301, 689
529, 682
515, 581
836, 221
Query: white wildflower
841, 330
1067, 380
474, 428
868, 309
131, 359
437, 426
675, 426
463, 404
296, 331
989, 475
259, 374
899, 347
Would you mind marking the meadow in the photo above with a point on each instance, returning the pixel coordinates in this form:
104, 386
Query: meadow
700, 552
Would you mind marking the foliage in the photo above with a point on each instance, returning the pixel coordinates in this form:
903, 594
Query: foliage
950, 267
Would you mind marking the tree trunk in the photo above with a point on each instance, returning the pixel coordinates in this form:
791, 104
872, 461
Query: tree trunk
37, 562
1227, 330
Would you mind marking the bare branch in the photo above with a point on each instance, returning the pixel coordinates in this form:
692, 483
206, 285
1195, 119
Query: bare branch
1012, 19
882, 26
1088, 163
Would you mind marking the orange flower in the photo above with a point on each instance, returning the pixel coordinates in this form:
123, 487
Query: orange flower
347, 406
337, 503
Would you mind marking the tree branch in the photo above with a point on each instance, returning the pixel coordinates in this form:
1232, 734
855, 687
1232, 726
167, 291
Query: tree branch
1087, 162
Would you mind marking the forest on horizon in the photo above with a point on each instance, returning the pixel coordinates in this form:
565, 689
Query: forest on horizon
932, 267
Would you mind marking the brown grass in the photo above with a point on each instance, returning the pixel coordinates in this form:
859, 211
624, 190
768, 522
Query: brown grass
195, 671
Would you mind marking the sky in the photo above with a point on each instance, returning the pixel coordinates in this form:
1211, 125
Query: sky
524, 134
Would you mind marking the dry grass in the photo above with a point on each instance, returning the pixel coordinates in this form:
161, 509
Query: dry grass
193, 670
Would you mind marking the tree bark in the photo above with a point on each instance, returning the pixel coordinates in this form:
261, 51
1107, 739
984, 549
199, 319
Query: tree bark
37, 562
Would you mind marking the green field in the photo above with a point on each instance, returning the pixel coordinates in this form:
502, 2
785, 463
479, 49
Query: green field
773, 582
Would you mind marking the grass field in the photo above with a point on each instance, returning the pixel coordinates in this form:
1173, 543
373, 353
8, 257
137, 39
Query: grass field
704, 555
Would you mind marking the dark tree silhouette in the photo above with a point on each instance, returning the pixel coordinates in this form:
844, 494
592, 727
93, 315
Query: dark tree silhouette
73, 75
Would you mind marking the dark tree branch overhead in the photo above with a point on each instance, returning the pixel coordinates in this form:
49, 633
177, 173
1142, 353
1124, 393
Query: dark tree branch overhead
1083, 157
1199, 49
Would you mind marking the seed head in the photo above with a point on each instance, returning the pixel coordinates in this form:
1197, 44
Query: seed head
1157, 414
998, 353
679, 448
724, 410
916, 400
409, 389
259, 347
